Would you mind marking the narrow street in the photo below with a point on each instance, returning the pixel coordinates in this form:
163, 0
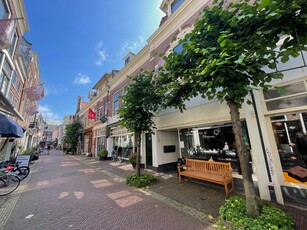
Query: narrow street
64, 193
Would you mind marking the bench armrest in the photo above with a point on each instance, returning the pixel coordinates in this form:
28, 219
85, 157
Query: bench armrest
227, 174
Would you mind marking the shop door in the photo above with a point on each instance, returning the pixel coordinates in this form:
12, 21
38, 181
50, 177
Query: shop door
148, 150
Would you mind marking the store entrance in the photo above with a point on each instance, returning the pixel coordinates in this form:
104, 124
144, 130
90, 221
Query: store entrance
291, 140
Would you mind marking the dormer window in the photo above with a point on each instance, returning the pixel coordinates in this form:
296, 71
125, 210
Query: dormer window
175, 5
128, 59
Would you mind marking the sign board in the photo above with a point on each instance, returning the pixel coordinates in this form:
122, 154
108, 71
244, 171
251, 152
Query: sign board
22, 160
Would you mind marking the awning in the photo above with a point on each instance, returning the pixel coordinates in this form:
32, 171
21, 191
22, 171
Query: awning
7, 107
9, 128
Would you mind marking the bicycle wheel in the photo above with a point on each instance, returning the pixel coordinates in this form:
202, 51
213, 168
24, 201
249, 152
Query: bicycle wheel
22, 172
8, 184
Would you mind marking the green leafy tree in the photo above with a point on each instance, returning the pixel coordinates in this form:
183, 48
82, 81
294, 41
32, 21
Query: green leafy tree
72, 134
138, 109
224, 56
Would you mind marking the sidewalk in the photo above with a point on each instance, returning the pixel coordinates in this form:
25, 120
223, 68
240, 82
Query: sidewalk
195, 198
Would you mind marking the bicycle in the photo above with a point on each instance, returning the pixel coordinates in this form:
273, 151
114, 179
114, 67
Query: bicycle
9, 182
21, 171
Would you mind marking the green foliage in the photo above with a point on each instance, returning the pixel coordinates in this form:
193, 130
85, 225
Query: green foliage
132, 159
103, 153
224, 56
72, 134
139, 104
140, 181
234, 211
30, 152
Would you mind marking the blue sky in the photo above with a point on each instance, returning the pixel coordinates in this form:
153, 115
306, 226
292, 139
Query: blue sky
77, 41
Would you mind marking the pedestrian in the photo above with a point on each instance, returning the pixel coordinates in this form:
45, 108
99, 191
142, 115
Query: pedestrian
114, 153
120, 154
48, 148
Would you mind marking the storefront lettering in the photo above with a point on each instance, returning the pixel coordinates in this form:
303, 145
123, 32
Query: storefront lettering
270, 161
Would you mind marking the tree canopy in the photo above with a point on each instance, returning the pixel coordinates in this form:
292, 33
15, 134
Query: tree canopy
72, 134
225, 57
138, 108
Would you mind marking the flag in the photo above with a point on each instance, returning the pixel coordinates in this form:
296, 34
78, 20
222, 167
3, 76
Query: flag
35, 92
91, 114
25, 51
31, 109
7, 28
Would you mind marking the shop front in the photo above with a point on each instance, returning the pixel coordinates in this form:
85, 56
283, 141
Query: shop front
287, 113
121, 137
216, 142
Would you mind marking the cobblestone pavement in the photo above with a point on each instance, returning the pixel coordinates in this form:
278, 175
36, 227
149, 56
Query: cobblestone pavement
75, 192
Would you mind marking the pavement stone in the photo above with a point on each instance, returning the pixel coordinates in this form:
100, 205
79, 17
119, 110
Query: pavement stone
200, 199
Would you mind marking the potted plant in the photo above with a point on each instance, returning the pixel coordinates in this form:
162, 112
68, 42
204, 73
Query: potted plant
132, 160
103, 153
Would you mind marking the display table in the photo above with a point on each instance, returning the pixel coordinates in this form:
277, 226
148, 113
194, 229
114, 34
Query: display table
299, 173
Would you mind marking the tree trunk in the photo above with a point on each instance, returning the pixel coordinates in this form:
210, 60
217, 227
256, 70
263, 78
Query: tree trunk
252, 207
138, 154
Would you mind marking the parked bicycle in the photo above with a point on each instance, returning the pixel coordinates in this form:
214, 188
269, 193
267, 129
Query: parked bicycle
21, 171
9, 182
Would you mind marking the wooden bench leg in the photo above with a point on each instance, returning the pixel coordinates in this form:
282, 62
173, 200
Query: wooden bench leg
180, 178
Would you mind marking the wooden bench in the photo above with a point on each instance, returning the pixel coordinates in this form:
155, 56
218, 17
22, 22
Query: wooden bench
215, 172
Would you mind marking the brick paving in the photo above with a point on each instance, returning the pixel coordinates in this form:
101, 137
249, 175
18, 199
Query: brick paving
205, 198
62, 192
164, 205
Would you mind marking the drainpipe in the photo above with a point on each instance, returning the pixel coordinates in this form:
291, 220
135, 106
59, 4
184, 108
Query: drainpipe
270, 184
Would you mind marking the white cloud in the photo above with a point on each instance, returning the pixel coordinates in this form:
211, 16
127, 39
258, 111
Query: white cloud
82, 79
47, 113
102, 54
132, 46
54, 90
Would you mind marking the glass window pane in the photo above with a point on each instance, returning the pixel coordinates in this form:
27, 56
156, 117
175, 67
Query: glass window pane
4, 12
287, 103
287, 90
176, 4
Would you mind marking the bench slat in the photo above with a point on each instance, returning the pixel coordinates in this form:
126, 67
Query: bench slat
211, 171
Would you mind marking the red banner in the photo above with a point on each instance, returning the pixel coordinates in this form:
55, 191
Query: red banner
91, 114
31, 110
35, 92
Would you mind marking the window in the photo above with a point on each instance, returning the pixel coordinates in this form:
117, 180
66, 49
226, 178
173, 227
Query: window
175, 5
127, 60
105, 107
15, 103
4, 81
178, 48
14, 79
12, 47
4, 12
291, 95
291, 141
10, 96
115, 102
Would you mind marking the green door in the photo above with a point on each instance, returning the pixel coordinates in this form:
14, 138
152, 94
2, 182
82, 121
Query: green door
148, 150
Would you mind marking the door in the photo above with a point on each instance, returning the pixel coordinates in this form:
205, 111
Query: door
148, 150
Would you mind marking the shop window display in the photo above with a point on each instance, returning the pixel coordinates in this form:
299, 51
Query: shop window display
291, 140
213, 143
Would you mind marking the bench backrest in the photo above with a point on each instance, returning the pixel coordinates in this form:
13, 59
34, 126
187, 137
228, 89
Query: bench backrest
208, 166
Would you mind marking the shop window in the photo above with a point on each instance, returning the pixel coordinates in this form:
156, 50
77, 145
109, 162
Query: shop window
291, 140
287, 96
215, 142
